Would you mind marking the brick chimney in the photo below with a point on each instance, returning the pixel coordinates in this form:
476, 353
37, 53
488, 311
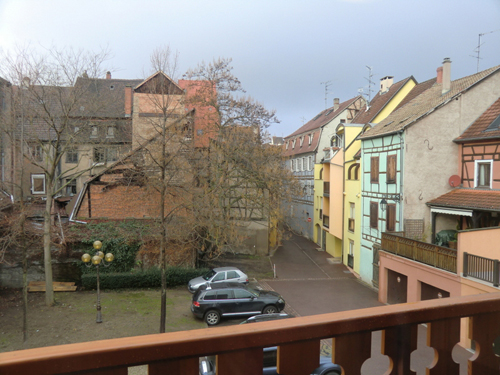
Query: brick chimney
108, 75
446, 75
128, 101
439, 75
386, 83
336, 103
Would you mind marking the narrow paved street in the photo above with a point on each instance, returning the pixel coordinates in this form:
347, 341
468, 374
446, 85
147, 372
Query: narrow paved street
312, 283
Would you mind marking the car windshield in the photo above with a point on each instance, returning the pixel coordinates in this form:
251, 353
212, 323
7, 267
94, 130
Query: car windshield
209, 275
255, 292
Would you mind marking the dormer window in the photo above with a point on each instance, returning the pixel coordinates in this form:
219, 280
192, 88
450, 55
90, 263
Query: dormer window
301, 141
286, 146
293, 143
310, 138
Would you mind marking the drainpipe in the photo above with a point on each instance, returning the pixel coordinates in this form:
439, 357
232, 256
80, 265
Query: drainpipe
401, 173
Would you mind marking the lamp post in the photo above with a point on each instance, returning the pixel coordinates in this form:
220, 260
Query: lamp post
96, 260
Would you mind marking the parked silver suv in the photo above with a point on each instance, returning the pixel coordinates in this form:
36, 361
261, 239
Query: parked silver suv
218, 275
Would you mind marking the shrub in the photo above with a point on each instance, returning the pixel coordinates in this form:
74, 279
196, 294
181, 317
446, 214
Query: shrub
150, 278
123, 252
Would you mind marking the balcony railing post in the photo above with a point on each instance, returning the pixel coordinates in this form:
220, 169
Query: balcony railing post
495, 272
466, 264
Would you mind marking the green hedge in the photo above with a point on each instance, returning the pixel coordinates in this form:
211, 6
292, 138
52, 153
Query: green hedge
150, 278
124, 255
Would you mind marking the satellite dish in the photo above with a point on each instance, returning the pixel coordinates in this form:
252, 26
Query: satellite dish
454, 181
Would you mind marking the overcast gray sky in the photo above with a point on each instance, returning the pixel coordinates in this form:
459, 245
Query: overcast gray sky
281, 50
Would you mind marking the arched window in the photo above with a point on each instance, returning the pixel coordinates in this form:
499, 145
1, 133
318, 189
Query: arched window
353, 172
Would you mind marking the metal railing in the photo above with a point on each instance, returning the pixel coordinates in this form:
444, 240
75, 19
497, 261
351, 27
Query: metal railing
433, 255
481, 268
239, 348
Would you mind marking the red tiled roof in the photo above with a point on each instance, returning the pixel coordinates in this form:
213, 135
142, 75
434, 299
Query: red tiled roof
476, 199
479, 128
323, 118
379, 102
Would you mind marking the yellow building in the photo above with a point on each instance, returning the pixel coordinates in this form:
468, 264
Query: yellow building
386, 101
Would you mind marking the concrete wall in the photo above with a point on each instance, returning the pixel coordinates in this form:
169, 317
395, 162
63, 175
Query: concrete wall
416, 274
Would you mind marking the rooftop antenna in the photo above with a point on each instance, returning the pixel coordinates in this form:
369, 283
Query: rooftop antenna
370, 82
327, 84
478, 48
303, 119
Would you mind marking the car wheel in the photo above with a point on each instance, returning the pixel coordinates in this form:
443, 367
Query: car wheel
270, 310
212, 317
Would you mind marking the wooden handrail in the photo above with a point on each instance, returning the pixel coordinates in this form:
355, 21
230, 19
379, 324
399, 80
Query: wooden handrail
433, 255
179, 351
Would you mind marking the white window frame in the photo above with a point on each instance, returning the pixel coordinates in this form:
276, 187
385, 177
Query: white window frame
301, 141
476, 172
293, 143
310, 138
35, 177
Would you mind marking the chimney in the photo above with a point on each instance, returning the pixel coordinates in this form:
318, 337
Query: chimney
446, 75
336, 103
386, 83
128, 101
108, 75
439, 76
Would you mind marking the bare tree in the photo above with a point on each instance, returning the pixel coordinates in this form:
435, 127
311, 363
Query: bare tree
246, 180
164, 131
49, 112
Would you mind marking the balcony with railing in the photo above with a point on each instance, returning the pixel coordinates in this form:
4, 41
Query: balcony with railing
433, 255
481, 268
239, 348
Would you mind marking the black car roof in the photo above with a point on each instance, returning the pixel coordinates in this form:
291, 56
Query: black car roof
224, 286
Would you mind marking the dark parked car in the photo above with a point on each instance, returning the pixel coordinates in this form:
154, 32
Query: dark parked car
233, 300
326, 367
218, 275
267, 318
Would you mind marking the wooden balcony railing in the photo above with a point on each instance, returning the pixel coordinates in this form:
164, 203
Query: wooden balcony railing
433, 255
482, 268
239, 348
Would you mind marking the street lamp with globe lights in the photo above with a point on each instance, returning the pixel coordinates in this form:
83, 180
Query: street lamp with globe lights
97, 260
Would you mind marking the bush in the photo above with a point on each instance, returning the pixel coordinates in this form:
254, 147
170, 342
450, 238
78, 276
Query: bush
150, 278
124, 256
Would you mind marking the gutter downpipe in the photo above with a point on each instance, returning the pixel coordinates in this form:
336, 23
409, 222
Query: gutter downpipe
401, 174
77, 204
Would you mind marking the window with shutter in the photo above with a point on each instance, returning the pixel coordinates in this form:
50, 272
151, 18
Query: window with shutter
374, 215
391, 169
391, 218
374, 170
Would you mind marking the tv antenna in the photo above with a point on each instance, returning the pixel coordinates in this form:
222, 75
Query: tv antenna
478, 48
370, 82
327, 84
303, 119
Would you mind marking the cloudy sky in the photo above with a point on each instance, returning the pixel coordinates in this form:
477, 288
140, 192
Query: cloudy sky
282, 50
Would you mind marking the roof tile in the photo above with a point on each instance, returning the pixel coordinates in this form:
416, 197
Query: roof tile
476, 199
